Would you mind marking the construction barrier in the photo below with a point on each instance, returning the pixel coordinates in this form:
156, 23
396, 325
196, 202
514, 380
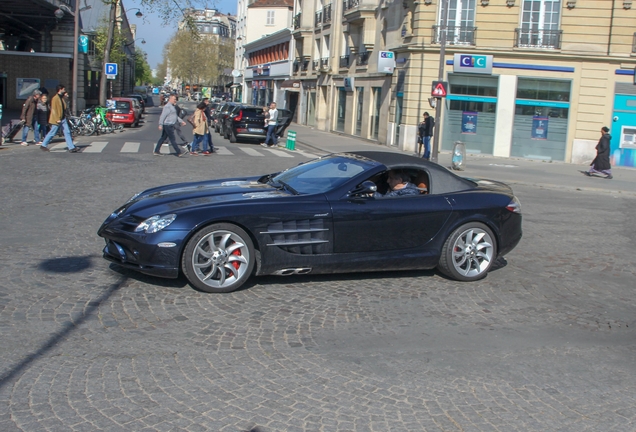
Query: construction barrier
291, 140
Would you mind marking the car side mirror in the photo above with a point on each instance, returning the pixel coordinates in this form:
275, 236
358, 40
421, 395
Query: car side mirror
365, 188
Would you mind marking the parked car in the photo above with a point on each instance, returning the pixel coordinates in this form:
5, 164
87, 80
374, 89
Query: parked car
322, 216
141, 99
222, 114
245, 122
127, 111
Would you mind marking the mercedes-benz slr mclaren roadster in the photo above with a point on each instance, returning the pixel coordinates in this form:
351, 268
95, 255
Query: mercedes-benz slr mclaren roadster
328, 215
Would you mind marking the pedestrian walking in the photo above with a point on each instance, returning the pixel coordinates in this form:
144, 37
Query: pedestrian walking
57, 120
167, 122
182, 113
272, 121
425, 132
201, 129
29, 117
42, 112
208, 135
601, 163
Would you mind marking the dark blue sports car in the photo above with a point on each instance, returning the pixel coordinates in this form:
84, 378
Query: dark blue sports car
334, 214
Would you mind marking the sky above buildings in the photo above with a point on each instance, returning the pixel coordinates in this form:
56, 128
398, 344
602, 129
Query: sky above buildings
151, 28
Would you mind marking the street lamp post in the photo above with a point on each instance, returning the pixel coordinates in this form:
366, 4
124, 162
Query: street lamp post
440, 77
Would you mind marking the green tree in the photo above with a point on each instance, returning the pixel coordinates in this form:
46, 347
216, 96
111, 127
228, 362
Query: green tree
143, 74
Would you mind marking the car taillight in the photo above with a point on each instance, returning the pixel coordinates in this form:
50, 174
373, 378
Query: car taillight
131, 112
514, 206
239, 117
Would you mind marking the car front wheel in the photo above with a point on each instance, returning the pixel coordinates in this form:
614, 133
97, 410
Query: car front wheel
468, 252
219, 258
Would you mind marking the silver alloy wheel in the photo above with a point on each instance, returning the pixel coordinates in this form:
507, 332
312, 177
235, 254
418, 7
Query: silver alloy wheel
220, 258
473, 252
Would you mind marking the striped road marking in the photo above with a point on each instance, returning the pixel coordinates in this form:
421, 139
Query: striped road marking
59, 147
95, 147
252, 152
220, 150
279, 153
130, 147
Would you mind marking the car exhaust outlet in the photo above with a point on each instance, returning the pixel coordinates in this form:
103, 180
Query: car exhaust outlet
292, 271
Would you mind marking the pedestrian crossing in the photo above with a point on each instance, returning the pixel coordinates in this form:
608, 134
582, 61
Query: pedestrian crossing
136, 147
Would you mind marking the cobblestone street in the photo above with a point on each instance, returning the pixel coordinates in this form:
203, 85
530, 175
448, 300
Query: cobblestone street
545, 342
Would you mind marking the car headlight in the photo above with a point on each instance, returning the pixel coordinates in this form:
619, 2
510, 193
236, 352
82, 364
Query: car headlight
155, 223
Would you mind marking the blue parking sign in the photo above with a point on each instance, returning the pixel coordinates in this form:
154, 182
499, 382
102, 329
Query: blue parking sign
110, 68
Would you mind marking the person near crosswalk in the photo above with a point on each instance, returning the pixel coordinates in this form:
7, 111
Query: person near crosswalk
200, 131
178, 133
169, 117
272, 121
57, 120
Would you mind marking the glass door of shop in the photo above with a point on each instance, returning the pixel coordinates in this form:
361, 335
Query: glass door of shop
341, 110
311, 109
623, 131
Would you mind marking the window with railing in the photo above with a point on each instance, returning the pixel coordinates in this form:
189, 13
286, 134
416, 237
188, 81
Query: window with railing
455, 35
296, 21
297, 65
460, 24
539, 25
344, 61
363, 58
318, 19
324, 62
350, 4
304, 65
326, 14
315, 64
550, 39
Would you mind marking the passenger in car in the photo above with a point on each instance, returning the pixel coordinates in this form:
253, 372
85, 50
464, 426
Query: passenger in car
399, 184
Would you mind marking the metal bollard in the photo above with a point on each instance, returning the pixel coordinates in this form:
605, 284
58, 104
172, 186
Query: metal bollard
291, 140
459, 156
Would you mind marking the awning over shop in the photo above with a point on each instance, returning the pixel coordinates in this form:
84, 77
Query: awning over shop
290, 84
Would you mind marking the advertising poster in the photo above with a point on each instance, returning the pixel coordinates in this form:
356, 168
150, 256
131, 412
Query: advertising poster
206, 92
25, 86
540, 128
263, 85
82, 44
469, 122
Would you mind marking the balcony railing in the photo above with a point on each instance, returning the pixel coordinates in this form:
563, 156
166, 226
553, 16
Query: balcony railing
318, 20
315, 64
363, 58
324, 63
549, 39
455, 35
344, 61
326, 14
297, 65
296, 21
304, 65
634, 44
350, 4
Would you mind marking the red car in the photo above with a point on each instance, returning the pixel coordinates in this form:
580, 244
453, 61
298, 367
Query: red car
127, 111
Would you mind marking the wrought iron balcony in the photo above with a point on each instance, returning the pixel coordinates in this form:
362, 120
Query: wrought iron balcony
297, 65
350, 4
326, 14
363, 58
548, 39
318, 19
455, 35
304, 65
324, 63
296, 21
344, 61
315, 64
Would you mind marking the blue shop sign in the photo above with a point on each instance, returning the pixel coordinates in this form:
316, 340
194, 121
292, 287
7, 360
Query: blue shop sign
469, 122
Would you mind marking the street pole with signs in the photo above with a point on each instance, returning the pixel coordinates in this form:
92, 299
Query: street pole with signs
440, 77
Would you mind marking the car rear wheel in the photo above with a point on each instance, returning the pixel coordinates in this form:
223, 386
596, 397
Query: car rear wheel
219, 258
468, 252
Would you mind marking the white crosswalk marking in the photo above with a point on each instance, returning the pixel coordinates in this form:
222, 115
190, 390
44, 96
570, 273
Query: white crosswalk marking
252, 152
307, 155
58, 147
223, 151
130, 147
280, 153
95, 147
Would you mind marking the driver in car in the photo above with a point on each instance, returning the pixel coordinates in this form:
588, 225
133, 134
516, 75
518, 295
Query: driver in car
399, 184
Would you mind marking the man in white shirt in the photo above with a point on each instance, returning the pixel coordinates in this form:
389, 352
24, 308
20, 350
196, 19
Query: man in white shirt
270, 141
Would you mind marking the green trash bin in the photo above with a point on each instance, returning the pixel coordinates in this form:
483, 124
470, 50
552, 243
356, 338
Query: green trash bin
291, 140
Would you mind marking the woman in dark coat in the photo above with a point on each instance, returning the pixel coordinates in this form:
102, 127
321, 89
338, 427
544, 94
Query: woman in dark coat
601, 163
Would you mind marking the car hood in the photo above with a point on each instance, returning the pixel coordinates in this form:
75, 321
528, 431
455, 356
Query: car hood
184, 195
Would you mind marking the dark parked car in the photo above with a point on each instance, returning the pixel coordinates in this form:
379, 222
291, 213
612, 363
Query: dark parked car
221, 114
248, 122
322, 216
141, 100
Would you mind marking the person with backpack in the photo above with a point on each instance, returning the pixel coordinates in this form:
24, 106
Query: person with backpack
425, 132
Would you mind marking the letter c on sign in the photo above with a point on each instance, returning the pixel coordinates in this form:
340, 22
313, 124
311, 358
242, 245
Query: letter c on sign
465, 60
481, 61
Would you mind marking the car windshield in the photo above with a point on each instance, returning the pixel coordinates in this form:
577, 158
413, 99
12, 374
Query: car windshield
324, 174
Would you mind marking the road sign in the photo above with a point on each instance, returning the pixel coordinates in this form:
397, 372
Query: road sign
110, 68
111, 76
439, 89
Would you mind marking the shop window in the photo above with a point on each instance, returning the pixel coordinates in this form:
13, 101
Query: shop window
472, 85
359, 110
541, 89
341, 110
375, 124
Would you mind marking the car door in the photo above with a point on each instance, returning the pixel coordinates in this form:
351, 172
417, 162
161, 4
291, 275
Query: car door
387, 224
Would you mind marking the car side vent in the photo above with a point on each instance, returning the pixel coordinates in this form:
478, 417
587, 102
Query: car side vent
304, 237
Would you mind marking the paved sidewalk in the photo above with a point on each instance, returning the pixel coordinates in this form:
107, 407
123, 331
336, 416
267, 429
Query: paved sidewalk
510, 170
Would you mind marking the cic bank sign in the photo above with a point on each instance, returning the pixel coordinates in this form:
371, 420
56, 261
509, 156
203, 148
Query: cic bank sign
473, 64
